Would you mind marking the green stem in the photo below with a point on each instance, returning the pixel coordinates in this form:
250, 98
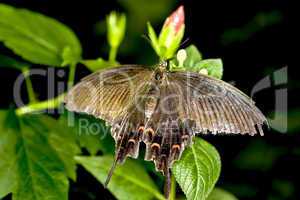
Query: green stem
71, 77
173, 188
30, 91
159, 196
42, 105
112, 54
34, 106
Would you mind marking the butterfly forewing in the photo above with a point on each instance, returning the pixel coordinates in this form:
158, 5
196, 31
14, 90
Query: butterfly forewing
215, 106
108, 94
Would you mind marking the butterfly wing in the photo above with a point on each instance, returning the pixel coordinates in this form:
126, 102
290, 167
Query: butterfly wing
215, 106
190, 103
116, 96
108, 94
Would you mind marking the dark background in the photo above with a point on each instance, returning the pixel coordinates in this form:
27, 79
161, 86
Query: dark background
250, 36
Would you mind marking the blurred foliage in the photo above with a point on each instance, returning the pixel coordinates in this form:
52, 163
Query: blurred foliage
138, 14
259, 22
220, 194
116, 25
284, 189
293, 121
243, 190
8, 62
258, 155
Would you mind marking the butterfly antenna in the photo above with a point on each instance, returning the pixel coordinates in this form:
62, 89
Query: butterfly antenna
167, 186
146, 37
184, 42
111, 171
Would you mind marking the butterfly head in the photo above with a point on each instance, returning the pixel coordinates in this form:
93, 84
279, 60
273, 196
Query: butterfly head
161, 68
163, 64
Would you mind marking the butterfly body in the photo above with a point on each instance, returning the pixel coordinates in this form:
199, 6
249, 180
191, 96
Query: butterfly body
162, 109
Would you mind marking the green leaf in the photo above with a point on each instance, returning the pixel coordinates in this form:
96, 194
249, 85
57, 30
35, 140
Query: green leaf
220, 194
62, 134
69, 58
93, 134
8, 140
34, 169
193, 56
129, 181
194, 62
153, 38
214, 67
6, 61
66, 149
41, 174
98, 64
198, 170
35, 37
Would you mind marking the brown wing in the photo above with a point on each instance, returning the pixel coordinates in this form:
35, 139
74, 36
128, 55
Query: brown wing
215, 106
188, 103
116, 95
108, 94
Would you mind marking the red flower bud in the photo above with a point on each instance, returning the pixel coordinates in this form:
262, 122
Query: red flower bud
175, 20
170, 35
